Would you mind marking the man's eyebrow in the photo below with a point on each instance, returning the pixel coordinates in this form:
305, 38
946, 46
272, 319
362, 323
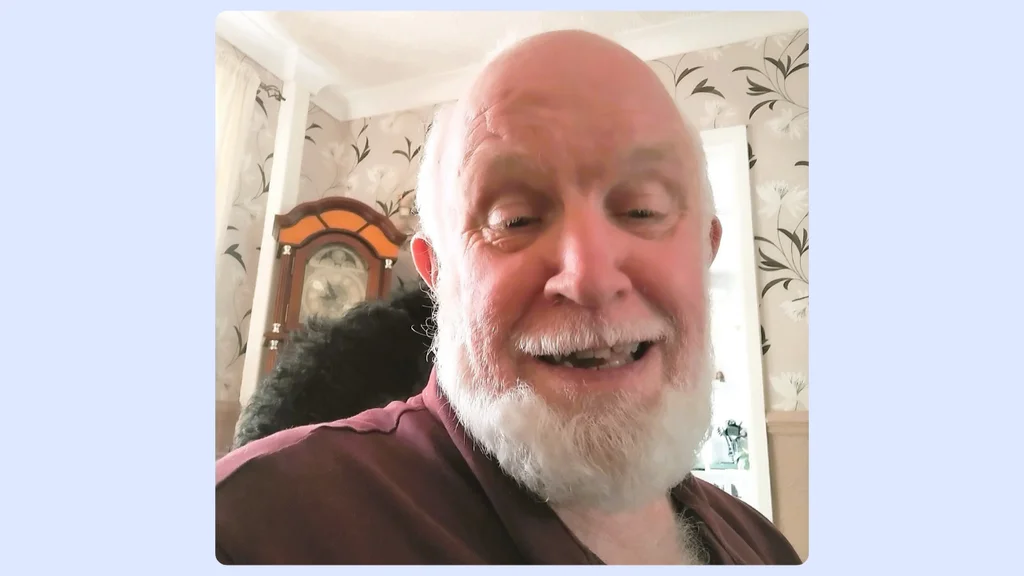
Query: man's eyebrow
664, 159
651, 154
493, 171
507, 163
499, 167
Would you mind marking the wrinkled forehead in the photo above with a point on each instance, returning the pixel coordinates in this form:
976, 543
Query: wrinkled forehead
561, 134
569, 113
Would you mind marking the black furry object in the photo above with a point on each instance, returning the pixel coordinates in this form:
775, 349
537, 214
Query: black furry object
334, 369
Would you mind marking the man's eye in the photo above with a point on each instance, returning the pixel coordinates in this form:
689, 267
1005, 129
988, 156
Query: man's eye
517, 222
642, 213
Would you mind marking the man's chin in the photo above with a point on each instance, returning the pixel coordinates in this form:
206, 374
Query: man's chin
583, 455
600, 439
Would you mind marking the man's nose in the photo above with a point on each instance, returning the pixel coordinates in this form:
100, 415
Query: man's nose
588, 258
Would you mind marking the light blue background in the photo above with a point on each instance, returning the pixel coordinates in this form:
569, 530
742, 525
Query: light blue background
106, 118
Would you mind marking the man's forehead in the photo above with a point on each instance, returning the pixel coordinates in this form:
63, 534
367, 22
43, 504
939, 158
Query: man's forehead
499, 159
524, 126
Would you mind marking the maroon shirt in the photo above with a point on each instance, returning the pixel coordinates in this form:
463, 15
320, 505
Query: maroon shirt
405, 485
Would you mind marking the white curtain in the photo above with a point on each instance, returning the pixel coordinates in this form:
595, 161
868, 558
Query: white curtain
237, 83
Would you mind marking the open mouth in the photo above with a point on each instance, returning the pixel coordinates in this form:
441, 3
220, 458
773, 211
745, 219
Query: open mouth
600, 358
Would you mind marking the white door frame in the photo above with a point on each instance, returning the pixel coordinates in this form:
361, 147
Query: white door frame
729, 147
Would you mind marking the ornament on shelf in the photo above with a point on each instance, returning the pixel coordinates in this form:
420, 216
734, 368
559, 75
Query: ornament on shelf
735, 436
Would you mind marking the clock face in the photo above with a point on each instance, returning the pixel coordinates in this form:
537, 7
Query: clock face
335, 280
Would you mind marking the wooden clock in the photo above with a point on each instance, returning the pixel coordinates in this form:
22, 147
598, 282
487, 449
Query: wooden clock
332, 254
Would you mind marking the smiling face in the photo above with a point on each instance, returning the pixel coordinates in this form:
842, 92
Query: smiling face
570, 274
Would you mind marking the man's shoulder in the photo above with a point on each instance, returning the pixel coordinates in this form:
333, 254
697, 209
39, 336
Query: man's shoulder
387, 485
363, 438
742, 527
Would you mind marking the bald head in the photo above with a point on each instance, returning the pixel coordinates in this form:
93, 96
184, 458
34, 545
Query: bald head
569, 63
578, 85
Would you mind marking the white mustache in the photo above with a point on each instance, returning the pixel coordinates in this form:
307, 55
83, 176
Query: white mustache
567, 337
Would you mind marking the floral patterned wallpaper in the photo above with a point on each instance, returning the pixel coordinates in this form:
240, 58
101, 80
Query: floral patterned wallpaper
761, 83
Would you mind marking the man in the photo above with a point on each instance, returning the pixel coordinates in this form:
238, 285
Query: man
567, 231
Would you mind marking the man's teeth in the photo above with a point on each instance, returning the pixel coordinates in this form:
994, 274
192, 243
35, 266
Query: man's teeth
600, 358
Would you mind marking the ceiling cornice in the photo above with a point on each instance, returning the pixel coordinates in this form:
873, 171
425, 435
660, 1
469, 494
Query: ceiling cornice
261, 39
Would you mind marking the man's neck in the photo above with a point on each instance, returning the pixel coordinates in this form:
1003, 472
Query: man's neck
654, 534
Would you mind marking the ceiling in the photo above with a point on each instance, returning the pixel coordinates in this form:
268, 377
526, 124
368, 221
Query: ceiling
359, 63
379, 48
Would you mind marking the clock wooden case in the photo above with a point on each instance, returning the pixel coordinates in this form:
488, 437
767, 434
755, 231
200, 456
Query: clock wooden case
332, 254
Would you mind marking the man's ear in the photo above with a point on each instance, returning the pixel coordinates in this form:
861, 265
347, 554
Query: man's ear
425, 259
715, 236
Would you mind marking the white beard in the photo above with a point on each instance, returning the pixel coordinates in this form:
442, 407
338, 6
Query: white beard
612, 455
